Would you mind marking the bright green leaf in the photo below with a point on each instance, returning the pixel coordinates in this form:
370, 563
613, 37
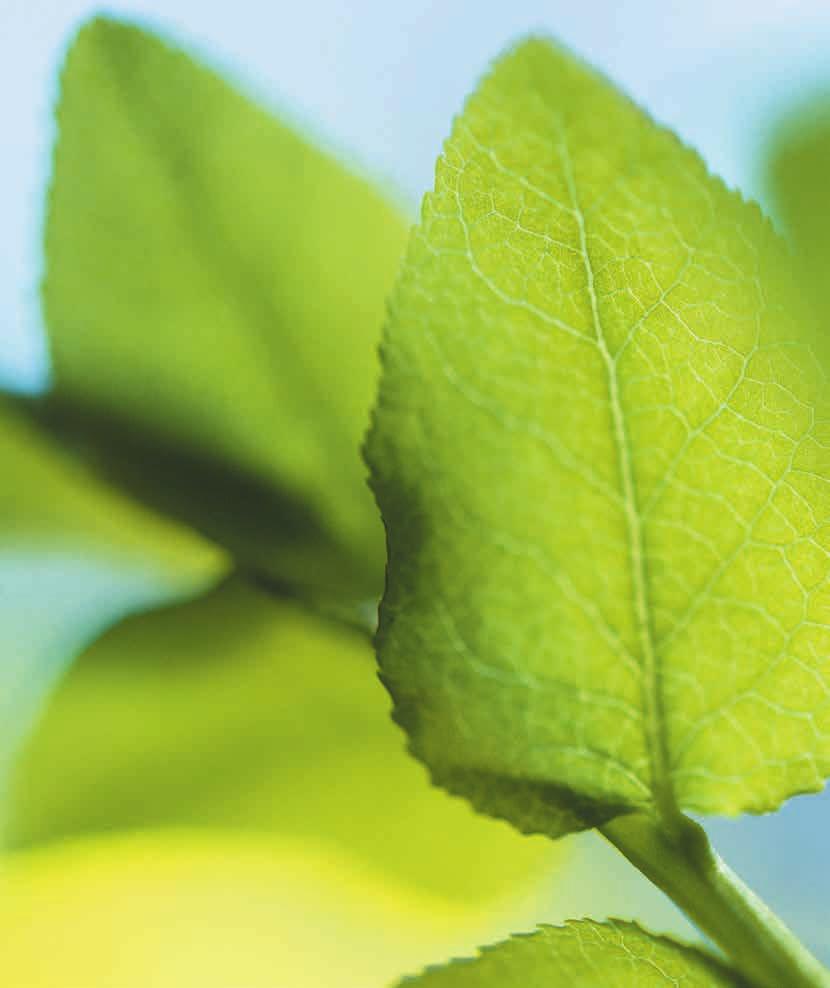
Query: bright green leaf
214, 292
602, 453
75, 557
243, 712
583, 955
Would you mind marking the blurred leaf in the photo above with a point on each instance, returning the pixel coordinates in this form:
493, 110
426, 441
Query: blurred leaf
798, 165
583, 955
49, 499
75, 557
602, 453
189, 910
214, 292
239, 711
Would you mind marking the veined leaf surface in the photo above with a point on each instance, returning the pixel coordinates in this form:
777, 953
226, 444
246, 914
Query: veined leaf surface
214, 294
583, 955
602, 452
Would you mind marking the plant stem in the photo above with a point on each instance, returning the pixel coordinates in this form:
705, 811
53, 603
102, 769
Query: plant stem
681, 861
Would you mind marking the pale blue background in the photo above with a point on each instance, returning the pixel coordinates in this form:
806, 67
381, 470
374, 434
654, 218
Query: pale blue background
379, 80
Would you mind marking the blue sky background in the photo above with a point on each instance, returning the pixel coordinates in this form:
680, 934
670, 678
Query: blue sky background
379, 80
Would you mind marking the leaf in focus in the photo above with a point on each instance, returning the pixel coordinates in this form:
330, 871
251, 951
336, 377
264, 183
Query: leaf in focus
242, 712
797, 169
583, 954
180, 909
75, 557
602, 453
214, 293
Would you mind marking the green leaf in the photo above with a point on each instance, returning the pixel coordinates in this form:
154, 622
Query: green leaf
214, 293
602, 453
583, 955
797, 168
75, 557
242, 712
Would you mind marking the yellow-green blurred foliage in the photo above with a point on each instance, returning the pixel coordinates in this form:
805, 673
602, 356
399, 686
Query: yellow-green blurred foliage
243, 712
273, 830
188, 910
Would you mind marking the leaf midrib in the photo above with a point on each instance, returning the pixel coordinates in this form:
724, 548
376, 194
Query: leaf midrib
654, 718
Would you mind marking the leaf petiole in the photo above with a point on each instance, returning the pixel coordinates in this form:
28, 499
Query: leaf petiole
682, 862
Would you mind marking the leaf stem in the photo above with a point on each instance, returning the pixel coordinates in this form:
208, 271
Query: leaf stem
681, 861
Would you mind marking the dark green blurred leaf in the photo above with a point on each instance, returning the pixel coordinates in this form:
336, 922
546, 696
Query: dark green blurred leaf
239, 711
214, 293
798, 176
75, 556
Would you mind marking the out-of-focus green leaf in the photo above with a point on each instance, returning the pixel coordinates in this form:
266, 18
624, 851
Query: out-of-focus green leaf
798, 166
49, 500
583, 955
75, 557
181, 909
214, 291
239, 711
602, 452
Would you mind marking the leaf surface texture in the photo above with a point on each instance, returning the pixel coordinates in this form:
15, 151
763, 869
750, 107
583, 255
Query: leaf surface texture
582, 955
602, 453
